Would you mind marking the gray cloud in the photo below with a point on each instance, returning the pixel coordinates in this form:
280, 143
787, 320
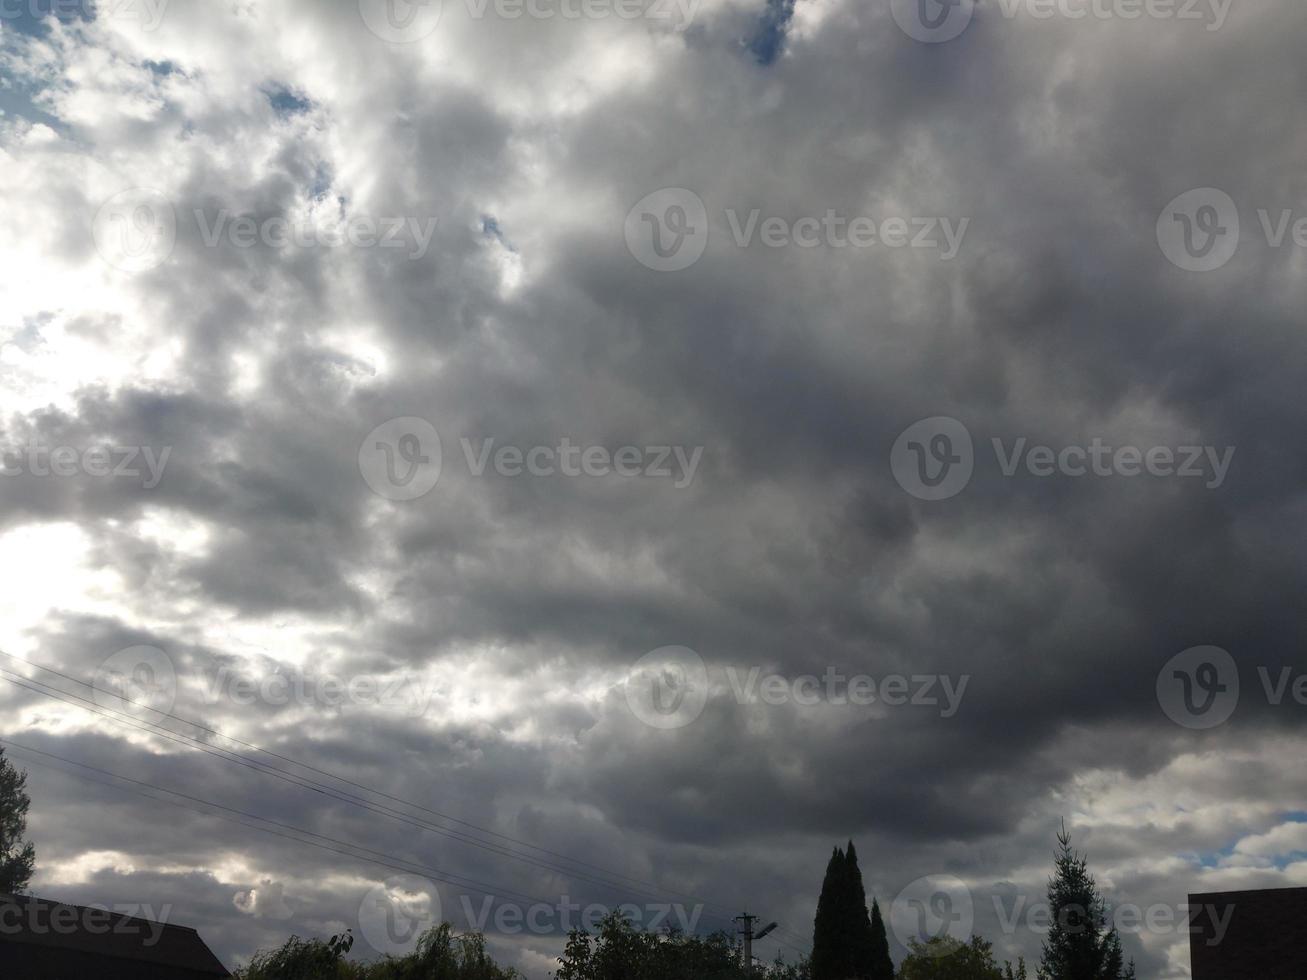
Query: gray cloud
520, 602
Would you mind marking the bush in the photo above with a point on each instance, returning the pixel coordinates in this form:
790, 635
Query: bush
618, 952
440, 955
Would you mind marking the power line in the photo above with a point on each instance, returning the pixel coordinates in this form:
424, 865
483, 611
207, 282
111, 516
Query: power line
306, 783
448, 877
336, 776
382, 859
390, 862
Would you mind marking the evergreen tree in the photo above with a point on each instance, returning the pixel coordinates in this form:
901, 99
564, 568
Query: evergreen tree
1113, 956
1114, 964
1079, 944
882, 967
827, 941
848, 943
17, 857
861, 942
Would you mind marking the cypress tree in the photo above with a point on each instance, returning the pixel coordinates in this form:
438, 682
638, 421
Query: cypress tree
826, 938
882, 967
848, 943
861, 943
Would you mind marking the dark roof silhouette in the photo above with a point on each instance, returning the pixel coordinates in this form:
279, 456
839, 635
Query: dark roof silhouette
1265, 936
43, 940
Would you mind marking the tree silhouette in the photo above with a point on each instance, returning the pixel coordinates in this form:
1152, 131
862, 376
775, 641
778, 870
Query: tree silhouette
946, 958
848, 943
17, 857
1079, 946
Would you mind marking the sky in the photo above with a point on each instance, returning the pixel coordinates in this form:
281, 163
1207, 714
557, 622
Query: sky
609, 453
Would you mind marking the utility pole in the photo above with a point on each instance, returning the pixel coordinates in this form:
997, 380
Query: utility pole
746, 931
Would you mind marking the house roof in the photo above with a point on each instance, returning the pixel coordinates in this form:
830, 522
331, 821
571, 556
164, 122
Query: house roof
34, 922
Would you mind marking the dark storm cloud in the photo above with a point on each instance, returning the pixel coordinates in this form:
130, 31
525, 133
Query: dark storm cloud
794, 549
